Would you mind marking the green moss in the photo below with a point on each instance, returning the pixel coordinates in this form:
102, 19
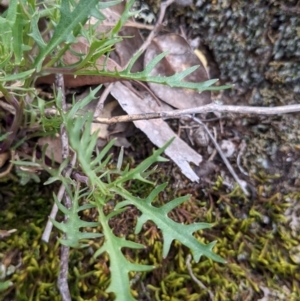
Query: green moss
252, 235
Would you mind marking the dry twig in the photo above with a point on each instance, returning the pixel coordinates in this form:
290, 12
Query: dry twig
132, 24
200, 284
61, 191
240, 182
213, 107
62, 281
102, 98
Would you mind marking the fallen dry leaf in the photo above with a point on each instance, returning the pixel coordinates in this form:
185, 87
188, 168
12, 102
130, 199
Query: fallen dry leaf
53, 151
157, 130
127, 47
179, 58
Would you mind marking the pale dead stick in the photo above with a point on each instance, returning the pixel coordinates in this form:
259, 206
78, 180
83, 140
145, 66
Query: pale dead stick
213, 107
240, 182
100, 103
132, 24
49, 226
206, 109
200, 284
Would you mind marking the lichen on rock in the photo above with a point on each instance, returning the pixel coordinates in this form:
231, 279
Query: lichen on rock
256, 44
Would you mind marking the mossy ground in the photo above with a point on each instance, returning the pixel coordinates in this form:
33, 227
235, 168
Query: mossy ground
254, 236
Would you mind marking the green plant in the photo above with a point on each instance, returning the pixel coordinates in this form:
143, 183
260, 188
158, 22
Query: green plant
24, 56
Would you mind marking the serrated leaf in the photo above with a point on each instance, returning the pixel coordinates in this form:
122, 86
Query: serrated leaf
85, 207
5, 59
170, 229
3, 137
97, 14
35, 32
103, 153
82, 103
163, 80
84, 143
153, 63
26, 163
103, 5
73, 224
119, 265
137, 172
125, 15
97, 49
6, 35
177, 77
17, 36
132, 61
69, 22
12, 11
56, 174
18, 76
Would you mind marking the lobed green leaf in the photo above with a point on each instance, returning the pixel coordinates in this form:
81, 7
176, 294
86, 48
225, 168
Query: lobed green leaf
73, 224
170, 229
119, 265
68, 26
17, 76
